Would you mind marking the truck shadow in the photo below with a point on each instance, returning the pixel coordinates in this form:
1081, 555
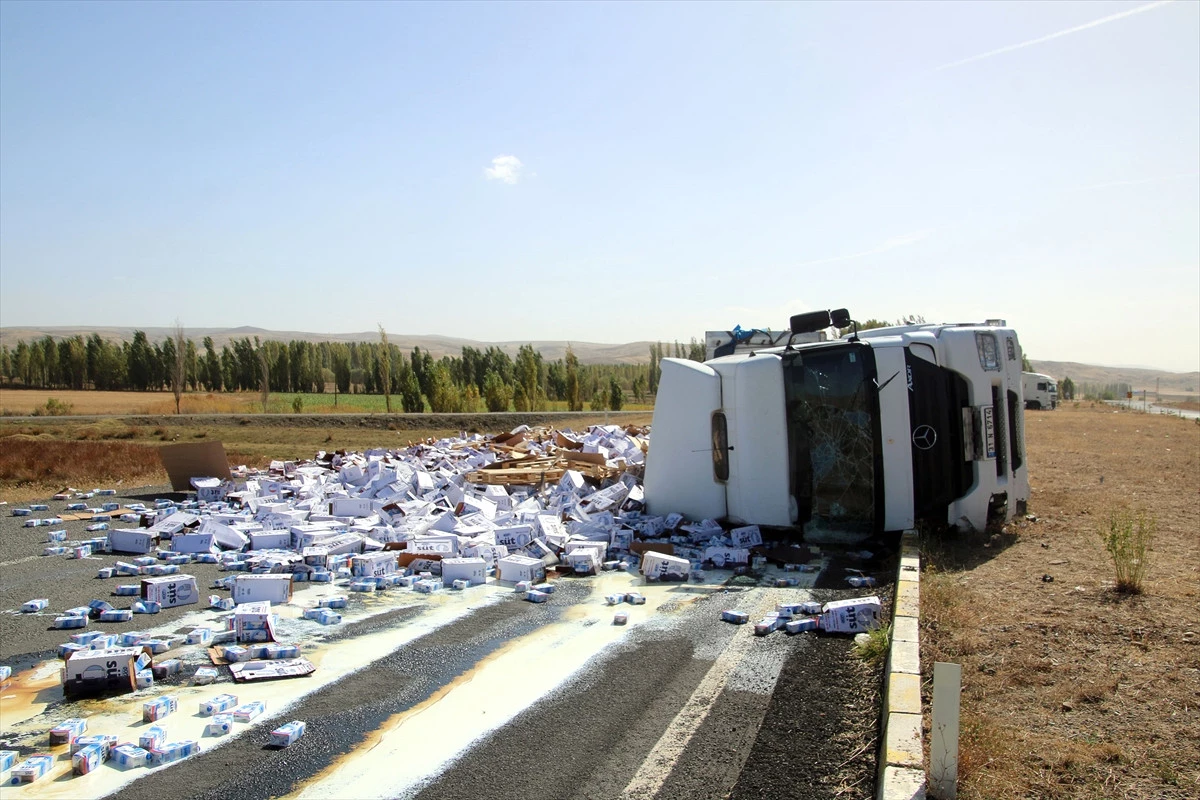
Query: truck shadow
964, 550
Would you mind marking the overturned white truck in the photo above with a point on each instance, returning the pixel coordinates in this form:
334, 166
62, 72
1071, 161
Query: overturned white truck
866, 433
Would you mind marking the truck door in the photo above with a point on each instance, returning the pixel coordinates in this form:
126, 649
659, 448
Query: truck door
685, 454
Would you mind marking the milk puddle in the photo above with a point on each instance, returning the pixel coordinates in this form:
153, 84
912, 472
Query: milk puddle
23, 702
486, 697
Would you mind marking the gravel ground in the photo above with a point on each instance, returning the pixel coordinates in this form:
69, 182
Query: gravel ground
811, 737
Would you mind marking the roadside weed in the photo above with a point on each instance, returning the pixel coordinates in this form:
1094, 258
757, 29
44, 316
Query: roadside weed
1128, 539
874, 650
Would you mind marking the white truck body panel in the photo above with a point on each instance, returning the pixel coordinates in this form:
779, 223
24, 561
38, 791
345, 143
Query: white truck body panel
757, 427
686, 480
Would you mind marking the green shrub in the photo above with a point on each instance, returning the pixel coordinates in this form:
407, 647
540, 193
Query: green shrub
1128, 540
875, 649
53, 408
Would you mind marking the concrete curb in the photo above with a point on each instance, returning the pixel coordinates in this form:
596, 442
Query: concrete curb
901, 749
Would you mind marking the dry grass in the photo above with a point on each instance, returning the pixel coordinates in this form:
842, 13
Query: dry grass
1070, 688
34, 467
25, 402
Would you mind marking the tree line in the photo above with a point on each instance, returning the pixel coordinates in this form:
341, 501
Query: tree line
477, 380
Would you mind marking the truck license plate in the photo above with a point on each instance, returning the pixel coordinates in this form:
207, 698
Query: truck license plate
989, 431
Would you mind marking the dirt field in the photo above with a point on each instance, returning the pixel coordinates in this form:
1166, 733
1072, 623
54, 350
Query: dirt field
1070, 689
20, 402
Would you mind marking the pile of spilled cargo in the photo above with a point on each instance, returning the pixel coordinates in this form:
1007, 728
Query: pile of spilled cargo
520, 510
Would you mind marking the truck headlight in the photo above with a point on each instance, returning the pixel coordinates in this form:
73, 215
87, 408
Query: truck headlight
989, 351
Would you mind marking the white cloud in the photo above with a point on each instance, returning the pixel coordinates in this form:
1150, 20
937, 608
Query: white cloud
1048, 37
891, 244
504, 168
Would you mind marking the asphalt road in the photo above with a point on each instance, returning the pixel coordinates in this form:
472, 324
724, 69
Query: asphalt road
484, 694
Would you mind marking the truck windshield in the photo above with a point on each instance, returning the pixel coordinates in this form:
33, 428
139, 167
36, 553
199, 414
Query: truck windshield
832, 436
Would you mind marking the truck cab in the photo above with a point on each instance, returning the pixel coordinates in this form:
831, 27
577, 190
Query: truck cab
867, 433
1040, 391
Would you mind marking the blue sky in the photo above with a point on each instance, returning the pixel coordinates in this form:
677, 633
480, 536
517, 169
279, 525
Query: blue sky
606, 172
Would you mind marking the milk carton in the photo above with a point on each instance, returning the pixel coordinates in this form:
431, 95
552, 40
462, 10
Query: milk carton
215, 705
285, 735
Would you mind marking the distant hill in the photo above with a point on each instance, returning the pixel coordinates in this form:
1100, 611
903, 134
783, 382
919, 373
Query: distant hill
437, 346
1137, 378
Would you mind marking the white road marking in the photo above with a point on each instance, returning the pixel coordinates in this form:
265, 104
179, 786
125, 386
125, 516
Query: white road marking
20, 560
670, 746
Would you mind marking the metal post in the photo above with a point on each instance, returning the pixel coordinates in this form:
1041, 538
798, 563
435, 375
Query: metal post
943, 742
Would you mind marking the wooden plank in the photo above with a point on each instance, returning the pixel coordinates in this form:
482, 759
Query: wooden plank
75, 516
514, 476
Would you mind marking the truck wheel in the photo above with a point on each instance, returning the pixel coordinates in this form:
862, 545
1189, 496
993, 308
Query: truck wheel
1033, 405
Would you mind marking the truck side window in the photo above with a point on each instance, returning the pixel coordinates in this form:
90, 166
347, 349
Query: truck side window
720, 447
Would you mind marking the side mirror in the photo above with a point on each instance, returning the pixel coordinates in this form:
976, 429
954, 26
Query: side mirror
813, 321
810, 322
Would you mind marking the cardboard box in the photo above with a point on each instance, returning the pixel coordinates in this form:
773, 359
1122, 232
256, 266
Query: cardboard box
472, 570
193, 460
270, 540
417, 563
748, 536
490, 553
225, 536
553, 531
851, 616
171, 590
373, 565
341, 544
722, 557
192, 543
269, 670
254, 622
665, 567
311, 534
445, 546
584, 561
350, 507
514, 537
516, 568
131, 540
210, 490
93, 672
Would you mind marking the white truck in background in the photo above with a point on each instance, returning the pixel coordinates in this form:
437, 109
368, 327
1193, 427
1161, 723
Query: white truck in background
1040, 391
867, 433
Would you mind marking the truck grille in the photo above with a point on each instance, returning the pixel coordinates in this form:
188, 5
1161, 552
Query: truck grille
1000, 415
1014, 438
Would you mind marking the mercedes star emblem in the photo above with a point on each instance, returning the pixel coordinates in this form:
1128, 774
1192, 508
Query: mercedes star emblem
924, 437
